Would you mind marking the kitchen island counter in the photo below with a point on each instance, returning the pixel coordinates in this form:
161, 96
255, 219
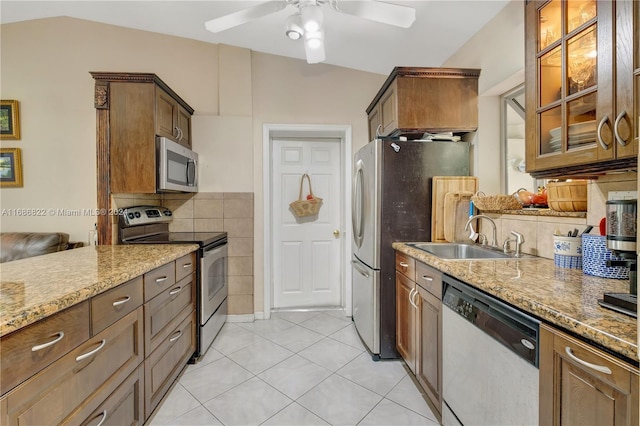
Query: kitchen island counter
566, 298
35, 288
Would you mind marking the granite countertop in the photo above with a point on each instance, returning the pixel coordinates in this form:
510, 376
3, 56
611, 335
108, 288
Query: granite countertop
565, 298
34, 288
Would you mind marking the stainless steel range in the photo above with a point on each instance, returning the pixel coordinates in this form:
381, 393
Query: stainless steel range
150, 225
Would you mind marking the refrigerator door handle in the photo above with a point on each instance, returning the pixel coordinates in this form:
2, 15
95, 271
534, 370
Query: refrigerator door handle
356, 266
357, 213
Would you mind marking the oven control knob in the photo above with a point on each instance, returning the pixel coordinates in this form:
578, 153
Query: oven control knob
130, 215
137, 215
167, 213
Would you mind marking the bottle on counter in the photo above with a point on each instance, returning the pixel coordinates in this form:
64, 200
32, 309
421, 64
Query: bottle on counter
93, 235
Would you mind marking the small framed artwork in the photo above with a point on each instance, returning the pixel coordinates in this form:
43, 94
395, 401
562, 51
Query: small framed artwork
9, 120
10, 168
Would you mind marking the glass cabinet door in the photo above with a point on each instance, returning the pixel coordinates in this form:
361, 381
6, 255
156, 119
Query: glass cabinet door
567, 70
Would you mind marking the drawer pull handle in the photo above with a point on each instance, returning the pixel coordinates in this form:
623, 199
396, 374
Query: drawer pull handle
93, 352
596, 367
178, 334
404, 264
427, 278
121, 301
104, 417
187, 265
60, 335
175, 291
161, 279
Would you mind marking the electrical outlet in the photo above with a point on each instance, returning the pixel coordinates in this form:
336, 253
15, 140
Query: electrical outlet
622, 195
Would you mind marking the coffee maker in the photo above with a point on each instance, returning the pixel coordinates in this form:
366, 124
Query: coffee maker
621, 240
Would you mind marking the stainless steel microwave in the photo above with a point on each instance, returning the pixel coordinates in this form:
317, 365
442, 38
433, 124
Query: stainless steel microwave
177, 167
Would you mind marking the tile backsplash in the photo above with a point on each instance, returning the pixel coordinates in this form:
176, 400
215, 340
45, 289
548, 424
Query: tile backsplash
538, 230
231, 212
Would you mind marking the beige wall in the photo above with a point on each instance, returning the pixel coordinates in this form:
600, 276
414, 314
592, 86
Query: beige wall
45, 65
498, 50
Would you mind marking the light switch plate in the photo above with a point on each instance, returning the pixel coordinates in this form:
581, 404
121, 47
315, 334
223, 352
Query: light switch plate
622, 195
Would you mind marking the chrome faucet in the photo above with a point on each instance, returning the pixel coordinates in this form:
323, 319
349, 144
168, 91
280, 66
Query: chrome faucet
519, 239
481, 216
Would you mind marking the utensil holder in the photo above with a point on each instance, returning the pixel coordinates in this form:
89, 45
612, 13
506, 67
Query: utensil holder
567, 252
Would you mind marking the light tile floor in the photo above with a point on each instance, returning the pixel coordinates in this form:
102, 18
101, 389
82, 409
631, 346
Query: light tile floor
298, 368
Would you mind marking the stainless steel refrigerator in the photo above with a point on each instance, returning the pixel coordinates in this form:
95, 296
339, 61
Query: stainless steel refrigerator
392, 189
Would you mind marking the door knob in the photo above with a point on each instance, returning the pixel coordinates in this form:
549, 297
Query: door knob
336, 233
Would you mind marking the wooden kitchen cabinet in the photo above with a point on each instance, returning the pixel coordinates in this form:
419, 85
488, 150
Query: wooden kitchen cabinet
134, 108
97, 372
419, 324
406, 320
579, 58
415, 100
27, 351
429, 333
582, 385
65, 389
173, 121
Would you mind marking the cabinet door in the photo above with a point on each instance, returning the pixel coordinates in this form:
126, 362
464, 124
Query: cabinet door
184, 125
165, 363
568, 67
429, 357
405, 320
375, 125
580, 385
389, 110
166, 115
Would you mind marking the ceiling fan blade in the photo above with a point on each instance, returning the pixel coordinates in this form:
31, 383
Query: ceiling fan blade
385, 13
243, 16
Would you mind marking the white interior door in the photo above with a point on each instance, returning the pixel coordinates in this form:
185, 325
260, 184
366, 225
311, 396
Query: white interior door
306, 256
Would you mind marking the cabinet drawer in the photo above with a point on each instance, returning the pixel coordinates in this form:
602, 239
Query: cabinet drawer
406, 265
618, 376
160, 314
185, 266
165, 363
158, 280
29, 350
430, 279
68, 385
125, 406
114, 304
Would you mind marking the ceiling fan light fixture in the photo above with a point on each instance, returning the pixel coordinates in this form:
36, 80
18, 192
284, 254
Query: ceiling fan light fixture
294, 27
311, 17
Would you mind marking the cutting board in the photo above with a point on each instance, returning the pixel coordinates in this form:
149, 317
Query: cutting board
456, 214
442, 185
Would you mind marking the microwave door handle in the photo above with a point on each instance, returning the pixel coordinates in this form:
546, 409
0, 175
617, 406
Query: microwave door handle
194, 181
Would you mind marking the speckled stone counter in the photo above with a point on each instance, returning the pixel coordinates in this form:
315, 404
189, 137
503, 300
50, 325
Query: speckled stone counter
565, 298
34, 288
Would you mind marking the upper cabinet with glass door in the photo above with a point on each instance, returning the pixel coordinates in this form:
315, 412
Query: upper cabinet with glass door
579, 96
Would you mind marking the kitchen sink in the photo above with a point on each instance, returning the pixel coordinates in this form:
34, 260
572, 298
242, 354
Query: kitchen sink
462, 251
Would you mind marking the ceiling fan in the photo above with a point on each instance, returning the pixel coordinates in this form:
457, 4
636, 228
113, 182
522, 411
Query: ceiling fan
307, 22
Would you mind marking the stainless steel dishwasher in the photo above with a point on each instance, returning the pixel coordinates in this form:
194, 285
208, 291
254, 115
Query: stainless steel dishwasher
489, 359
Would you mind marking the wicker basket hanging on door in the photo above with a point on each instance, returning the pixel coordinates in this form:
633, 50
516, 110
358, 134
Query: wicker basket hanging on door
308, 206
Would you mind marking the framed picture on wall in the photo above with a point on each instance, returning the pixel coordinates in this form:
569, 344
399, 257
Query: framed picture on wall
10, 168
9, 120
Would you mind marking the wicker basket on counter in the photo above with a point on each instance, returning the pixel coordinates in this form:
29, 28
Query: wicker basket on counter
494, 203
570, 196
